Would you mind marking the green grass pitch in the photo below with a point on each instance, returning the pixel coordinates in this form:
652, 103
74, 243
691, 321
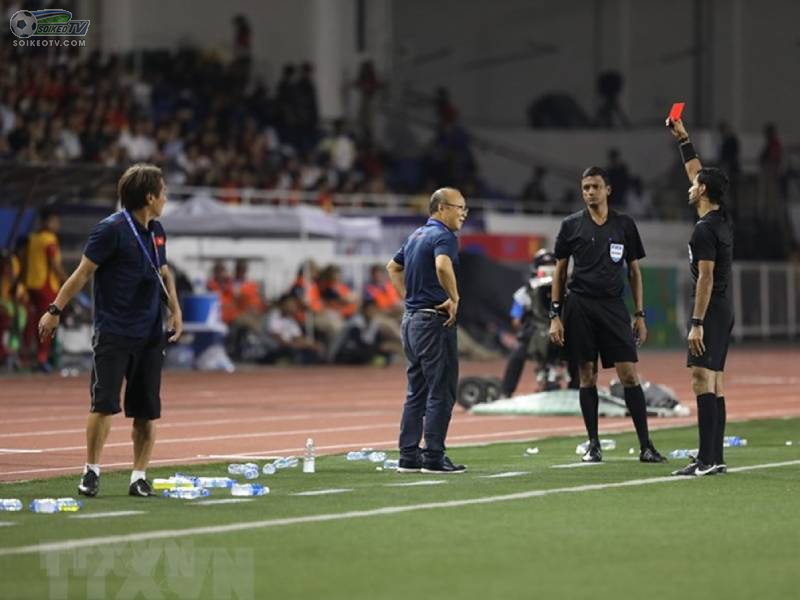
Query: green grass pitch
616, 530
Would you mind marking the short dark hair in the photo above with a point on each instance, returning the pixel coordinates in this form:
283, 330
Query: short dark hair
716, 182
46, 212
596, 172
136, 183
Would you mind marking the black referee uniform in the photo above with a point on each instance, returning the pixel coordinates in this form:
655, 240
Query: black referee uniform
596, 320
712, 240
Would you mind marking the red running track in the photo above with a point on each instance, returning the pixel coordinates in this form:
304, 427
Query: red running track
271, 411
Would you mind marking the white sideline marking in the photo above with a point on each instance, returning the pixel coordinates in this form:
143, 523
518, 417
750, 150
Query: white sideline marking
415, 483
7, 523
19, 451
238, 456
221, 501
324, 492
353, 514
113, 513
573, 465
507, 474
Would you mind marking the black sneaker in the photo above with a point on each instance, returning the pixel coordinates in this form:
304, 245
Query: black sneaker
650, 455
90, 484
696, 469
720, 468
593, 453
406, 465
140, 487
446, 466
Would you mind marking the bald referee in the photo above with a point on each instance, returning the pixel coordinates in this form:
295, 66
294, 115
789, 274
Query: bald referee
710, 259
422, 272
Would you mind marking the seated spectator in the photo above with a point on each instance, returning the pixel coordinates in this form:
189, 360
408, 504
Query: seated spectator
362, 340
287, 335
335, 294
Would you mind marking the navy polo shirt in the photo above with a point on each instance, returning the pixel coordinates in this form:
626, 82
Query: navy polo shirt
127, 293
418, 257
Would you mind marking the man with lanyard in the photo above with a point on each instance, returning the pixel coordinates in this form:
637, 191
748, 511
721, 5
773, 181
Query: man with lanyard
601, 242
126, 254
710, 259
422, 272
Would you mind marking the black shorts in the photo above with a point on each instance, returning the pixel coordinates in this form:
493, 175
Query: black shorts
139, 362
595, 326
717, 327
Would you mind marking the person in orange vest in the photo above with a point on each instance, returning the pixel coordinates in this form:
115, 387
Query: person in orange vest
336, 296
43, 275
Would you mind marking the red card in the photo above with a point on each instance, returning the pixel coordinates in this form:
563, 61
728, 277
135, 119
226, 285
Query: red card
676, 111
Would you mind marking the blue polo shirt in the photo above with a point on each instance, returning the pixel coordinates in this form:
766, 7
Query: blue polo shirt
127, 293
418, 257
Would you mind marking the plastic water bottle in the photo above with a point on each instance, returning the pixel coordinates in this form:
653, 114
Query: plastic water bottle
308, 457
390, 464
249, 489
235, 469
250, 471
44, 505
172, 483
187, 493
608, 444
10, 505
68, 505
356, 455
213, 482
376, 456
269, 469
680, 453
290, 462
733, 441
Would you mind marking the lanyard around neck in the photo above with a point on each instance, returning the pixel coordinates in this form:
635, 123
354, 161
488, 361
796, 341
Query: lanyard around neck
157, 262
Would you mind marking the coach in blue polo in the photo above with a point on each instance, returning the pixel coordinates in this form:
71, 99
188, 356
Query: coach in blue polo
422, 271
126, 256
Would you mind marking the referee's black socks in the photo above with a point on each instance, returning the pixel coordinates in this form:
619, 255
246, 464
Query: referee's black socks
589, 409
707, 415
634, 400
719, 432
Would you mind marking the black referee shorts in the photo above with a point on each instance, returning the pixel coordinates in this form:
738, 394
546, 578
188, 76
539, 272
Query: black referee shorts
595, 326
717, 327
139, 362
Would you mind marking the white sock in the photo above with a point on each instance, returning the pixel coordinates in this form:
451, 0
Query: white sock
95, 468
137, 475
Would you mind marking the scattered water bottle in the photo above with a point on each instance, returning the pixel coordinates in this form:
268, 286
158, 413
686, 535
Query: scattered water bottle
682, 453
44, 505
213, 482
376, 456
235, 469
733, 441
68, 504
390, 464
250, 471
308, 457
10, 505
356, 455
269, 469
249, 489
290, 462
605, 444
187, 493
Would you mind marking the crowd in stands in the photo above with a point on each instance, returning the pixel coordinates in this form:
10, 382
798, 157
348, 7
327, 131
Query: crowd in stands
319, 318
210, 122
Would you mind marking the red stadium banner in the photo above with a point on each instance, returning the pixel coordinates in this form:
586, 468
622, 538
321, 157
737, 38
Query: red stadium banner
506, 248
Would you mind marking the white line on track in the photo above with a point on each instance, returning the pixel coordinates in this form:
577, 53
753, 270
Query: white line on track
324, 492
19, 451
110, 514
221, 501
172, 534
506, 474
416, 483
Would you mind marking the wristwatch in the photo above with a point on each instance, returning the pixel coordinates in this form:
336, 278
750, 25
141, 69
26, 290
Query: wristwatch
697, 322
54, 310
555, 310
639, 314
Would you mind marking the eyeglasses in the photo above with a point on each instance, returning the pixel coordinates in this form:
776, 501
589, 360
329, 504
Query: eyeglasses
462, 209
